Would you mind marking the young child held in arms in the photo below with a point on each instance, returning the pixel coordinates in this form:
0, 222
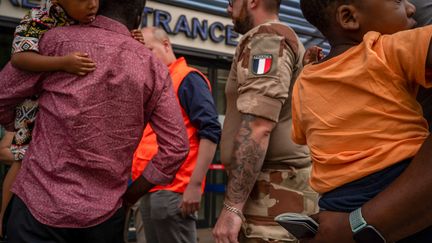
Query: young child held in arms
52, 13
25, 56
356, 109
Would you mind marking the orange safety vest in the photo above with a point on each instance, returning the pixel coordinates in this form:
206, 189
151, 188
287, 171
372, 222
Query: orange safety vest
148, 147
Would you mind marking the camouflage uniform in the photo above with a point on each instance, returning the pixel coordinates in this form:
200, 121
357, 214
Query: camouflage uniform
268, 59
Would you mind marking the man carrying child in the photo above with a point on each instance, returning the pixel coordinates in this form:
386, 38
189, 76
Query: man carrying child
356, 110
73, 181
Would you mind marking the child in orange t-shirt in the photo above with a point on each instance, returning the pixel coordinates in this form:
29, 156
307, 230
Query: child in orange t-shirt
356, 109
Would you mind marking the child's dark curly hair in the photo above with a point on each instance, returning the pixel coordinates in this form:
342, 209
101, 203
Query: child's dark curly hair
320, 12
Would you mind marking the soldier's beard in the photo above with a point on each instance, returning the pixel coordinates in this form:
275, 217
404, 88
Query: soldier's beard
244, 22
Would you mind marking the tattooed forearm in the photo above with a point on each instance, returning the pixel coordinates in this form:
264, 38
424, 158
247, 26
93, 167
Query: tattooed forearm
247, 159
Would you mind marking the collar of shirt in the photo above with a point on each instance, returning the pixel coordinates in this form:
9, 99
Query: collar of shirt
110, 24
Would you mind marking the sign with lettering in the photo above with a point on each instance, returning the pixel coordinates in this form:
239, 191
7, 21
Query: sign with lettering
191, 28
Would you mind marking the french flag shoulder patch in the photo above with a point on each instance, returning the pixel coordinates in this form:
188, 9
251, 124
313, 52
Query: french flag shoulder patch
262, 64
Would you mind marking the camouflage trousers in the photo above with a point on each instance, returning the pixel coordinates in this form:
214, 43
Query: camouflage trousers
274, 193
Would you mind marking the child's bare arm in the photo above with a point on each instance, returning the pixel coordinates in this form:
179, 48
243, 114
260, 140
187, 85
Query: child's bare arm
312, 55
75, 63
137, 35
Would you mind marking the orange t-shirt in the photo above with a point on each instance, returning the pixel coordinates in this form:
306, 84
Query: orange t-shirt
358, 111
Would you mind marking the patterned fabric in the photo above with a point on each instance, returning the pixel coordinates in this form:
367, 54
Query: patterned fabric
24, 123
36, 23
276, 192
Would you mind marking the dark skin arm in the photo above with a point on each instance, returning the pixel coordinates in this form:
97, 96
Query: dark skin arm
135, 191
137, 35
401, 210
313, 55
392, 210
74, 63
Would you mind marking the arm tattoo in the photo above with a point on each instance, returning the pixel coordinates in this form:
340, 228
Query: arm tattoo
247, 159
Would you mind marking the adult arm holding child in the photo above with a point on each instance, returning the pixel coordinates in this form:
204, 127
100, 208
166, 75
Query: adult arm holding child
406, 200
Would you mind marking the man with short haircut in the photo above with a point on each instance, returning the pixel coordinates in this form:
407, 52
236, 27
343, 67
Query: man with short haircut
267, 173
73, 181
169, 212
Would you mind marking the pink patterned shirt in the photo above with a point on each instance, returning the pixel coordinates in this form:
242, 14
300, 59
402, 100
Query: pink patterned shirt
76, 169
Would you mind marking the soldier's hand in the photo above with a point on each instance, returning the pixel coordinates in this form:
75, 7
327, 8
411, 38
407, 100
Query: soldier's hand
333, 227
191, 200
227, 227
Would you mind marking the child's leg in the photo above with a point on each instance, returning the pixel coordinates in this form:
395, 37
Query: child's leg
7, 194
